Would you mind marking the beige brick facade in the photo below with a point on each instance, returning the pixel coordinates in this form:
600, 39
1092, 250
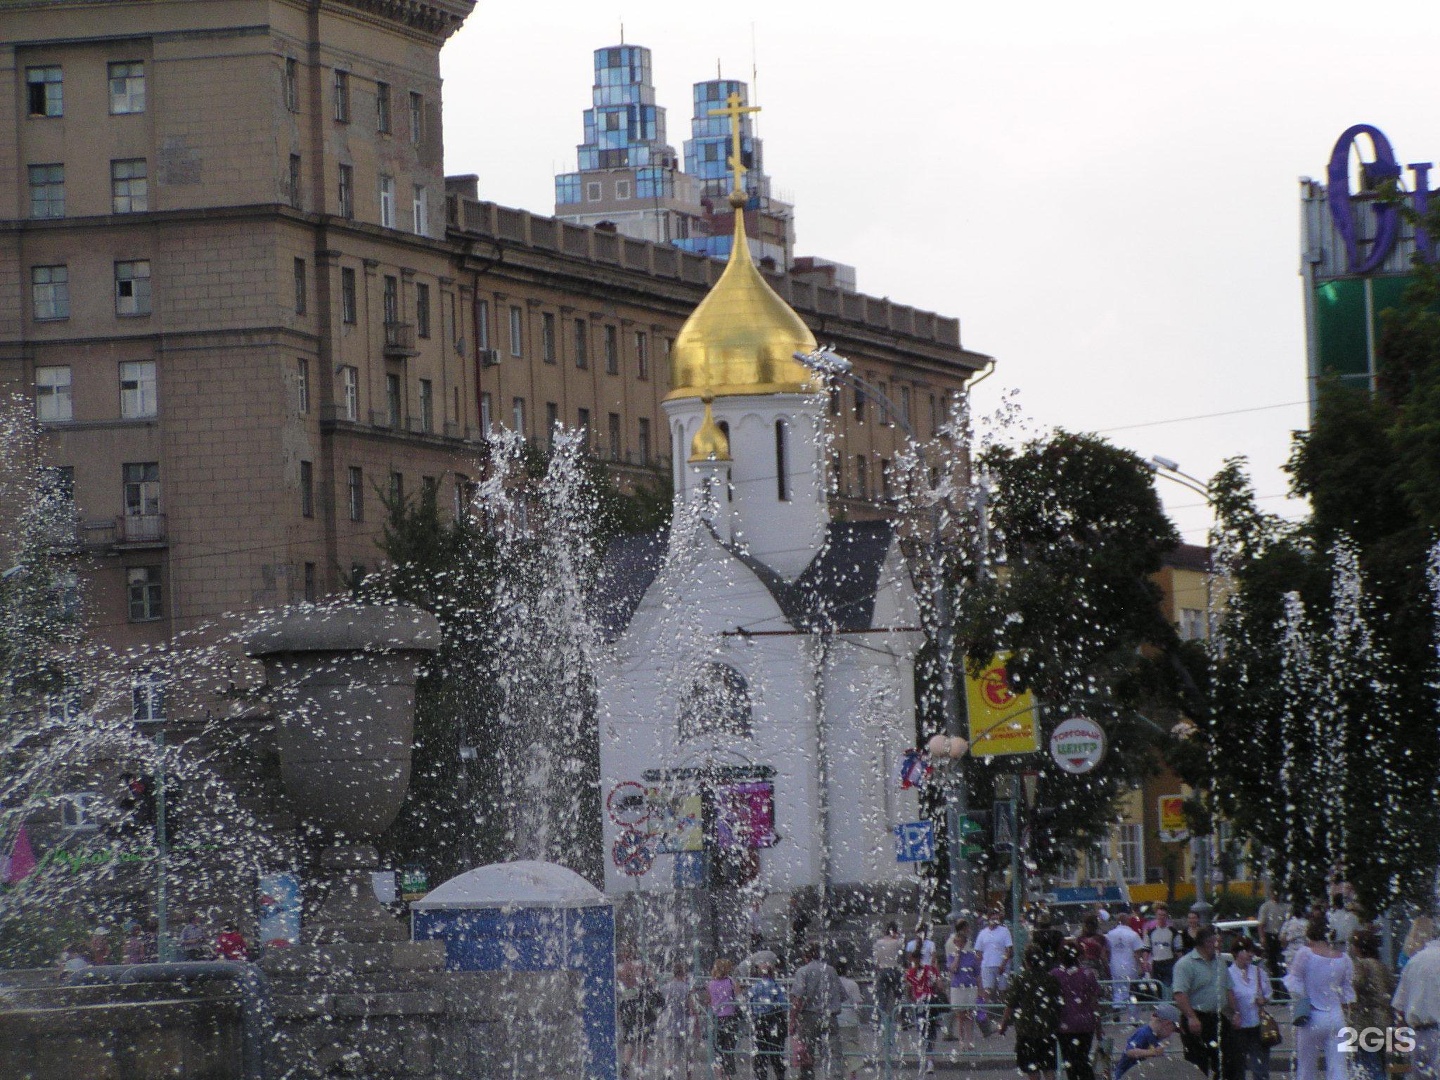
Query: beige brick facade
318, 301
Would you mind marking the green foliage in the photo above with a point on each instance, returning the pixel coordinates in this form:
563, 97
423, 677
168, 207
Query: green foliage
1078, 530
456, 814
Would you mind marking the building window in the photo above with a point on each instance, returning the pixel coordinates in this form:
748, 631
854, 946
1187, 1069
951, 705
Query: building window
1130, 847
50, 292
862, 477
139, 399
387, 201
147, 692
392, 400
886, 490
350, 393
382, 108
396, 495
717, 703
302, 385
47, 191
937, 414
782, 462
880, 399
52, 394
391, 300
464, 494
300, 304
347, 295
292, 84
905, 405
127, 87
45, 91
1192, 625
307, 489
552, 421
355, 489
129, 186
642, 355
517, 413
427, 405
517, 338
614, 433
644, 447
487, 413
141, 482
859, 405
311, 590
421, 210
547, 337
422, 310
592, 191
612, 351
143, 588
482, 323
292, 182
582, 421
417, 118
345, 191
132, 287
582, 344
342, 96
622, 189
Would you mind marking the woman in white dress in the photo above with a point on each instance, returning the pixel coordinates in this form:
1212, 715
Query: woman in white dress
1321, 974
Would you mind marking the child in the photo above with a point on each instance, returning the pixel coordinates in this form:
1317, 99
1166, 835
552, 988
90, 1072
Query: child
1149, 1040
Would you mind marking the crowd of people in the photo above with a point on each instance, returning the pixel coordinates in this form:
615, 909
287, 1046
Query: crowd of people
140, 944
1128, 979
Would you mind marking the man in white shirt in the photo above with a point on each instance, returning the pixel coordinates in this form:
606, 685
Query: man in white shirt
1164, 942
996, 947
1343, 922
1123, 968
1417, 1000
1272, 916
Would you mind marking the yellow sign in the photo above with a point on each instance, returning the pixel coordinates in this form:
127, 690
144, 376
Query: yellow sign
1001, 721
1173, 827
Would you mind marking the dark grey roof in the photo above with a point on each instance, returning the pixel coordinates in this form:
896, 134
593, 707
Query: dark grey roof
835, 592
631, 563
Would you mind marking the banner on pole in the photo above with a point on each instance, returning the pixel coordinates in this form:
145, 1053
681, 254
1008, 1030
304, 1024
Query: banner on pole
1001, 721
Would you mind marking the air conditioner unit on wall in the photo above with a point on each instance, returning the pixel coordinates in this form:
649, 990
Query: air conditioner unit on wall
489, 357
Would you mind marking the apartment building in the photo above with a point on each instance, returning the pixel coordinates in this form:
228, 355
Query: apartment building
246, 306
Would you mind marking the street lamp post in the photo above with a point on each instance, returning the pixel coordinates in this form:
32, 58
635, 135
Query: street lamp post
1171, 471
825, 361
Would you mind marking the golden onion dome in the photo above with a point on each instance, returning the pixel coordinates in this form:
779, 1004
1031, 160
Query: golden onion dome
709, 443
743, 336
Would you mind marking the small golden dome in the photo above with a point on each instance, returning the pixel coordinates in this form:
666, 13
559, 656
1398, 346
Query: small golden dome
710, 443
743, 336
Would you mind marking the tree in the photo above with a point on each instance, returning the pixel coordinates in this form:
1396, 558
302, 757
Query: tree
512, 677
1077, 531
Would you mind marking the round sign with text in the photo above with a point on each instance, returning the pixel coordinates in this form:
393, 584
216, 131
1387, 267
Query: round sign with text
1077, 745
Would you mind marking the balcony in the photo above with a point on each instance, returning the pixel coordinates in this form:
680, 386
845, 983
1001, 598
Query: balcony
140, 530
400, 341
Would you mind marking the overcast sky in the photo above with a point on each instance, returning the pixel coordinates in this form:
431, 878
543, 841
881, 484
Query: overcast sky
1105, 194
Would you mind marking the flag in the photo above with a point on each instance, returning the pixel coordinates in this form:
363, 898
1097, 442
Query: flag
21, 860
914, 769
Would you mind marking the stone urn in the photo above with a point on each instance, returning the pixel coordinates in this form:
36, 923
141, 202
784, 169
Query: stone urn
341, 679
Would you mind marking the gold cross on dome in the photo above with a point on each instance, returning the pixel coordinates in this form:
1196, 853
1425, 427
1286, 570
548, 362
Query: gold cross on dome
735, 109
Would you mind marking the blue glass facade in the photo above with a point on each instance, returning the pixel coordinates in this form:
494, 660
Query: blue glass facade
624, 128
707, 151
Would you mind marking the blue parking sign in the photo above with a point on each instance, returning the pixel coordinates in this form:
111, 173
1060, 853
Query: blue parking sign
915, 841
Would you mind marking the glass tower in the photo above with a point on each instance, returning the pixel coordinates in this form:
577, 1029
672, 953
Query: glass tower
707, 152
624, 128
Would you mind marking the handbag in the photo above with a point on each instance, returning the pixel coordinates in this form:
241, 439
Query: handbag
1300, 1011
1269, 1029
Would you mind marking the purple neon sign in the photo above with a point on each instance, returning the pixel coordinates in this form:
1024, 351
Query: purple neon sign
1383, 166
